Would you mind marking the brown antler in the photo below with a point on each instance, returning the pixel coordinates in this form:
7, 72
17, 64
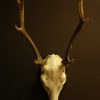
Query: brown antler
82, 20
24, 32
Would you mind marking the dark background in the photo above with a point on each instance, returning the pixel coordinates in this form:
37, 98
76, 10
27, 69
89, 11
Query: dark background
50, 24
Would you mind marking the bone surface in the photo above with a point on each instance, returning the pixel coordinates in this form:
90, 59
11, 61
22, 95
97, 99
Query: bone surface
53, 76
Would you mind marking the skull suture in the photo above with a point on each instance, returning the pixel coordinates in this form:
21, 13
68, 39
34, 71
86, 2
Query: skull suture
53, 66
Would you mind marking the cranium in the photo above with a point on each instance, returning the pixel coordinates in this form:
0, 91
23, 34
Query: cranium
53, 74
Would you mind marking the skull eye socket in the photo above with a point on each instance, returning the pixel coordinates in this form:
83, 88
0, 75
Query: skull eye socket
42, 71
64, 70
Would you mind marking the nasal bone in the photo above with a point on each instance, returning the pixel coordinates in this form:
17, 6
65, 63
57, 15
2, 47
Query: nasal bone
54, 95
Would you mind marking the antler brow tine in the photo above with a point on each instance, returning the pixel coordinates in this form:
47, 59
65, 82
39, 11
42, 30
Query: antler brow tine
82, 20
24, 32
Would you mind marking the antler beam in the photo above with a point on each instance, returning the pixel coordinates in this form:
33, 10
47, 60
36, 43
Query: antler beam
82, 20
22, 30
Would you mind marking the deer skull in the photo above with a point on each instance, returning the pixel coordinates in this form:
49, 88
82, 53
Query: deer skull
53, 74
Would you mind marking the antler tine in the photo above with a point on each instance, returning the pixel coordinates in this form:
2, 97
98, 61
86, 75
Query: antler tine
82, 20
24, 32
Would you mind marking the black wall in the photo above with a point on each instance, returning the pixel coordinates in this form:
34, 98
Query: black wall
50, 24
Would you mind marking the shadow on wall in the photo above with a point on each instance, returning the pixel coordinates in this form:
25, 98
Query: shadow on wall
38, 91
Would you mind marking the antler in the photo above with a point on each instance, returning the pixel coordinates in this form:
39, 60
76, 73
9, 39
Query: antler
82, 20
24, 32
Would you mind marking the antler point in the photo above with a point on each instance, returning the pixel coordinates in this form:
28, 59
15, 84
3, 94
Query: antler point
18, 28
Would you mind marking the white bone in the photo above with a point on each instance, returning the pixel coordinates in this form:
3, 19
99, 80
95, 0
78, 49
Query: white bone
53, 76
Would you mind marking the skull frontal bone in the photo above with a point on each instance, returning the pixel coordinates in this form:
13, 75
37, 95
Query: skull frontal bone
53, 76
